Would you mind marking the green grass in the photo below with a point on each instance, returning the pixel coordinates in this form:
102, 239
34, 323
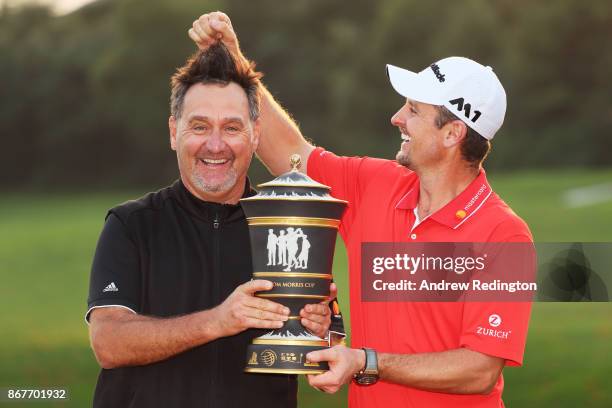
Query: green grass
47, 242
537, 198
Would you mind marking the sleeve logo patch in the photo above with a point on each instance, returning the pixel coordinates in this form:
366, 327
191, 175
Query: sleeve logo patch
494, 321
111, 287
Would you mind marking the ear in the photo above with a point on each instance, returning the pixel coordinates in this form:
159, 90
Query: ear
256, 134
454, 133
172, 128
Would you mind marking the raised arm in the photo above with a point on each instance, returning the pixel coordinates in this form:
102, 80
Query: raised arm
280, 136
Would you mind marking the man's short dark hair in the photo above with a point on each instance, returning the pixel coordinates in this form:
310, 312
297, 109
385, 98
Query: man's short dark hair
215, 65
474, 147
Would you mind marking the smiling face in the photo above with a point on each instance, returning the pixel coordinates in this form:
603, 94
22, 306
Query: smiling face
423, 143
214, 140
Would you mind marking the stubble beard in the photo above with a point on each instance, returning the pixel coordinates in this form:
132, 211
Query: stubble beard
206, 186
403, 159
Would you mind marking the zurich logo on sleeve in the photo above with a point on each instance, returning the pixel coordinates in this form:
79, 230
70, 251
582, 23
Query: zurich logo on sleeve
494, 320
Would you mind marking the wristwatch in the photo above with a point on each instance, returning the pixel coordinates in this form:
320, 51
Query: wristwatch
369, 373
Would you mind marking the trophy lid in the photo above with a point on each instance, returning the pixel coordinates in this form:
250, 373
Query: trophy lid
293, 185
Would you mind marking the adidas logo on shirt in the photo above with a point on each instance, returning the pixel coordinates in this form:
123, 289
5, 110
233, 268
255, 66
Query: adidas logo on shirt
111, 288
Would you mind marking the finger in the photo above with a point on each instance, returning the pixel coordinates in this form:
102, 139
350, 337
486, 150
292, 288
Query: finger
314, 317
204, 18
264, 315
316, 388
225, 29
263, 324
333, 292
194, 36
205, 23
318, 308
322, 355
309, 379
255, 285
323, 319
322, 380
314, 327
199, 29
223, 17
264, 304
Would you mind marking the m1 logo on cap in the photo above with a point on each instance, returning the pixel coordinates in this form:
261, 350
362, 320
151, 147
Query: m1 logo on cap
466, 108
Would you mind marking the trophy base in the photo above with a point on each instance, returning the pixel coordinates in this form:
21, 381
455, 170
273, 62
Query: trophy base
284, 356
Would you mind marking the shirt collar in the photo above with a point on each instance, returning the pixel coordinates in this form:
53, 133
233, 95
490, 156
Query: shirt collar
459, 209
209, 210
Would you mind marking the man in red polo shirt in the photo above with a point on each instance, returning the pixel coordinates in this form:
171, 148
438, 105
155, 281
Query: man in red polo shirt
431, 354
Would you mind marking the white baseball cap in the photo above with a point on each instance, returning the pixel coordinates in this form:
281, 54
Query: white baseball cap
469, 90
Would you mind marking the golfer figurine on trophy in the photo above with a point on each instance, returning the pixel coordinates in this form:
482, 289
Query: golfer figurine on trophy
293, 223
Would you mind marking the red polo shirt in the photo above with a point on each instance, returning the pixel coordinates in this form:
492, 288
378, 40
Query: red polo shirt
382, 196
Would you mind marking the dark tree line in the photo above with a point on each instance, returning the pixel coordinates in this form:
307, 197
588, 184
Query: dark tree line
84, 97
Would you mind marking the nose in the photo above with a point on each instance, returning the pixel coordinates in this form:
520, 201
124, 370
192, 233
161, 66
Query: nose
397, 119
214, 142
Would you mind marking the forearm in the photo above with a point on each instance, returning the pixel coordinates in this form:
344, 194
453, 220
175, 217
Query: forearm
458, 371
140, 340
280, 136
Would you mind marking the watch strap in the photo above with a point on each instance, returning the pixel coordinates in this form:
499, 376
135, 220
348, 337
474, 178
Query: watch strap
368, 375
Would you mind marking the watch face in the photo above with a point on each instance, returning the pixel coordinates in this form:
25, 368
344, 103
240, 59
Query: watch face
366, 379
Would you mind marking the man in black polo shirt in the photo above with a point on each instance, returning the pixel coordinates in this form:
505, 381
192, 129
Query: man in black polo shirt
169, 310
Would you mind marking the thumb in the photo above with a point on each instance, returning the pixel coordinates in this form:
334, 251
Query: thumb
333, 292
224, 29
256, 285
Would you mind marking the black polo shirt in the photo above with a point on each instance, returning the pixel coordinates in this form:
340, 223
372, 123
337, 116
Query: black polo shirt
167, 254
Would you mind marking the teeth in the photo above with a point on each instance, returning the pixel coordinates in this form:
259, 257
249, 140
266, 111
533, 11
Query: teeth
214, 161
405, 138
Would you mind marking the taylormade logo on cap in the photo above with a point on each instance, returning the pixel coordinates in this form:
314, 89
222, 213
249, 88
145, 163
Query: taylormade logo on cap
466, 88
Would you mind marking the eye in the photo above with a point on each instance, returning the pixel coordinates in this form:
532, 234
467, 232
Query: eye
200, 128
232, 129
412, 110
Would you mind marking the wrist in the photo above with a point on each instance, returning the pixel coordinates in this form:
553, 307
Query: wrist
368, 375
214, 327
359, 359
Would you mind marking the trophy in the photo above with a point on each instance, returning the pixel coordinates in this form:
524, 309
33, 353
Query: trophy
293, 223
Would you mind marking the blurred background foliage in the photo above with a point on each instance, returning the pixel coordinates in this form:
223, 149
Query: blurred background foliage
84, 96
84, 107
